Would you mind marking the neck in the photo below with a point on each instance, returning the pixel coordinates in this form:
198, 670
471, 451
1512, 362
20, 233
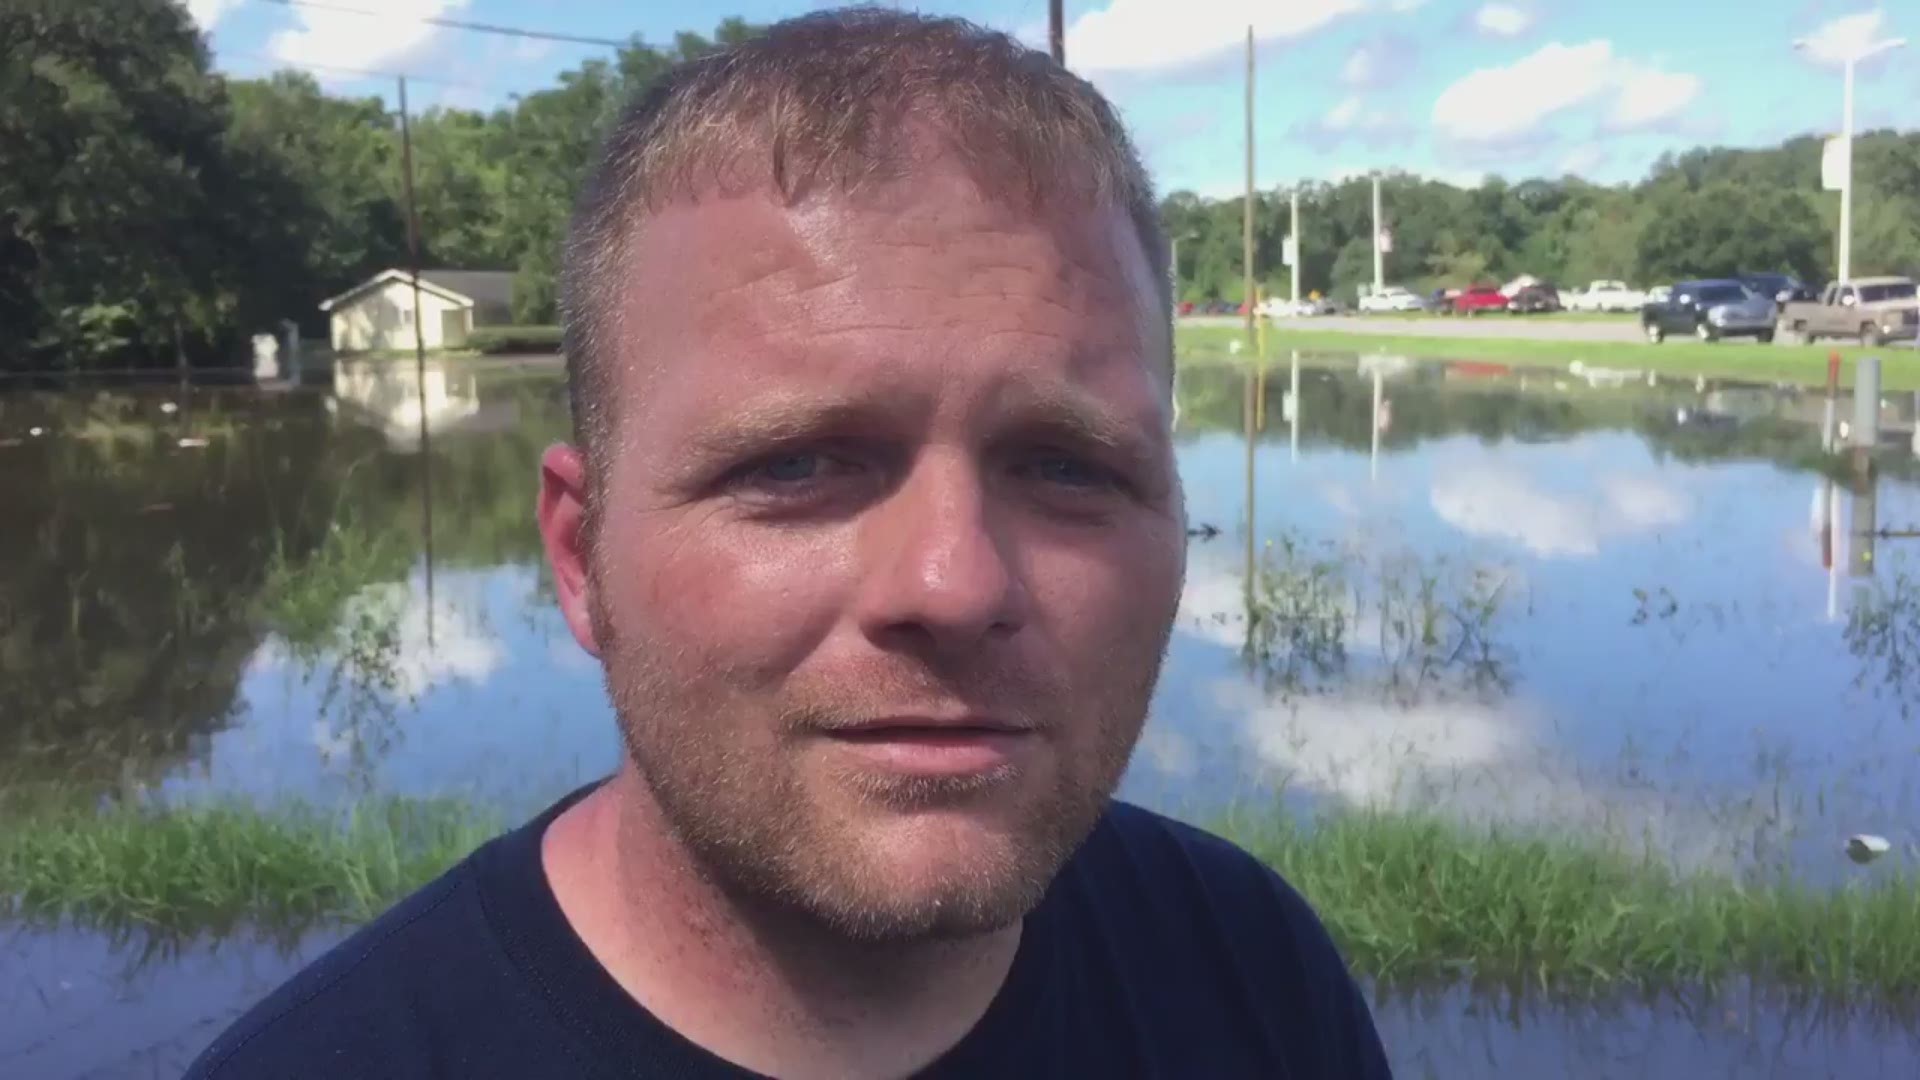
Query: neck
765, 988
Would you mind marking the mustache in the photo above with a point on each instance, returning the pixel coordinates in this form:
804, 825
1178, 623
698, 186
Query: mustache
1014, 695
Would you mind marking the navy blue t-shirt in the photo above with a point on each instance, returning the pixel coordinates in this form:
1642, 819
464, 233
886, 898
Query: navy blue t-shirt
1159, 951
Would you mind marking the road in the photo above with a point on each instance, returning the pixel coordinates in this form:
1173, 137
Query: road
1517, 328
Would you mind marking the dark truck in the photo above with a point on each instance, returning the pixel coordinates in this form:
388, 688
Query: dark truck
1870, 310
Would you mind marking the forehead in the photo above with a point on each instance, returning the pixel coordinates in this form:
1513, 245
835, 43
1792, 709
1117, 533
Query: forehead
923, 275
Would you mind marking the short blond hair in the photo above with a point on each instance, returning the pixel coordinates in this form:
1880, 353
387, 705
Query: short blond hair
828, 102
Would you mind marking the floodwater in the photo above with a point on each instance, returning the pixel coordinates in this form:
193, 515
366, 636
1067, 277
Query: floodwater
1651, 611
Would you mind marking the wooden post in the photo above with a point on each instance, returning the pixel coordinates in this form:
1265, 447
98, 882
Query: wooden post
1057, 30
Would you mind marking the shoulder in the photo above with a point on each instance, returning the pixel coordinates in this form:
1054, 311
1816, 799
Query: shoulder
1199, 913
1195, 865
373, 1003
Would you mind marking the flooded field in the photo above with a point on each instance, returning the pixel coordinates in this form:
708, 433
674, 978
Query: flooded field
1652, 613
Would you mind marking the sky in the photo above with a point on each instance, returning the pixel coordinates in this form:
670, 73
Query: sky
1453, 89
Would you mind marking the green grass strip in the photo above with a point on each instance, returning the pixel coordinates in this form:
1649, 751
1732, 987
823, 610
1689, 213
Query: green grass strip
1409, 898
207, 868
1803, 364
1413, 897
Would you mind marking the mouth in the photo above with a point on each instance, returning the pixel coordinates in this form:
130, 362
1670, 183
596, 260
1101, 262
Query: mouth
936, 747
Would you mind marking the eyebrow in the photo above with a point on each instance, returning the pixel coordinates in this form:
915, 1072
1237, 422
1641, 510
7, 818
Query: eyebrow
761, 425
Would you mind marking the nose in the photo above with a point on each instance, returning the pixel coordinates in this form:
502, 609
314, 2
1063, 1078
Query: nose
939, 576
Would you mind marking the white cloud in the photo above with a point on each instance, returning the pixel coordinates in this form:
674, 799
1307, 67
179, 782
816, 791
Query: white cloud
1352, 118
1498, 502
208, 13
326, 38
1583, 159
1503, 20
1359, 70
1504, 104
1647, 97
1380, 62
1849, 35
1144, 36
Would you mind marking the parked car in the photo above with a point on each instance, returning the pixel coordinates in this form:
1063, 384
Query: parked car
1710, 310
1874, 310
1535, 299
1391, 298
1479, 299
1784, 288
1605, 295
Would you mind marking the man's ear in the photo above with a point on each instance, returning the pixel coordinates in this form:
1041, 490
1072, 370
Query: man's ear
562, 513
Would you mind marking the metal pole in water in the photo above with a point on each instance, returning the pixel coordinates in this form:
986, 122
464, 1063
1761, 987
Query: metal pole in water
1866, 404
419, 350
1827, 433
1293, 406
1373, 462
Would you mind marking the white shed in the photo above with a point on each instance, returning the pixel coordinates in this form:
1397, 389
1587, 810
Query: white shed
378, 313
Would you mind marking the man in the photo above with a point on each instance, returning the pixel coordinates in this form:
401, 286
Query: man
873, 523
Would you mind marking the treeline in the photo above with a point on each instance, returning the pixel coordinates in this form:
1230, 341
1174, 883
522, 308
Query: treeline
1707, 212
153, 212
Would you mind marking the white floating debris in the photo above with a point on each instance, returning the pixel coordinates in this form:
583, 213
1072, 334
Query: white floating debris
192, 442
169, 408
1866, 847
36, 432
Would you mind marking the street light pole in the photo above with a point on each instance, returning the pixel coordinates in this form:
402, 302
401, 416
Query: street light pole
1379, 264
1846, 190
1851, 61
1293, 242
1173, 266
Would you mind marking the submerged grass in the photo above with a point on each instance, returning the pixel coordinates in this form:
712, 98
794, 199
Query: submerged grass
1410, 898
1802, 364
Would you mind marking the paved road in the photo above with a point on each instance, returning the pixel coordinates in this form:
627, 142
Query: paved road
1519, 328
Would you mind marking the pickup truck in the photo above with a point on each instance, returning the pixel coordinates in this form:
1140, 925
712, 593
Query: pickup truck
1872, 310
1606, 296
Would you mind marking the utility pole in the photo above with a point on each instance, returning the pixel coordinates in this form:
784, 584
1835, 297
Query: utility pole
1293, 242
1057, 30
419, 349
1246, 216
1251, 386
1379, 261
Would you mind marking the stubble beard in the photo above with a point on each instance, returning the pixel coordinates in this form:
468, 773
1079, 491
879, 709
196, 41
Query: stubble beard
748, 823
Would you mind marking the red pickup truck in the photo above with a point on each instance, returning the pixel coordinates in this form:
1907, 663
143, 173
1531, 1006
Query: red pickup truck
1480, 299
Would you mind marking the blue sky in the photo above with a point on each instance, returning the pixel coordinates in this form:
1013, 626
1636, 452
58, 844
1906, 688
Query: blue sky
1449, 88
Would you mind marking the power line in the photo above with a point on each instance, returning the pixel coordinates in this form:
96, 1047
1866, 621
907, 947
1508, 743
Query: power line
454, 24
282, 63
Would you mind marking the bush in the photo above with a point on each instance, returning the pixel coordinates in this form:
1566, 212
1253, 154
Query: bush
494, 340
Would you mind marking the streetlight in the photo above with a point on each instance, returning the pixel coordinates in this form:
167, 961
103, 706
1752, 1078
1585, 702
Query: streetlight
1846, 144
1173, 267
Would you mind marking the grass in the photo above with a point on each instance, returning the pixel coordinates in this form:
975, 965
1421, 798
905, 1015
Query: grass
1409, 898
1803, 364
183, 870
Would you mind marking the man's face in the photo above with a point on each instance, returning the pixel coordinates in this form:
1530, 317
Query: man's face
890, 543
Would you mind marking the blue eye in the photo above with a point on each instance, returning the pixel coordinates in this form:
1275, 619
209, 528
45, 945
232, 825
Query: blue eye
1071, 472
790, 468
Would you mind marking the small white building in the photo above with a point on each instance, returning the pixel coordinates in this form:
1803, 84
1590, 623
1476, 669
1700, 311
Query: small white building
378, 313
